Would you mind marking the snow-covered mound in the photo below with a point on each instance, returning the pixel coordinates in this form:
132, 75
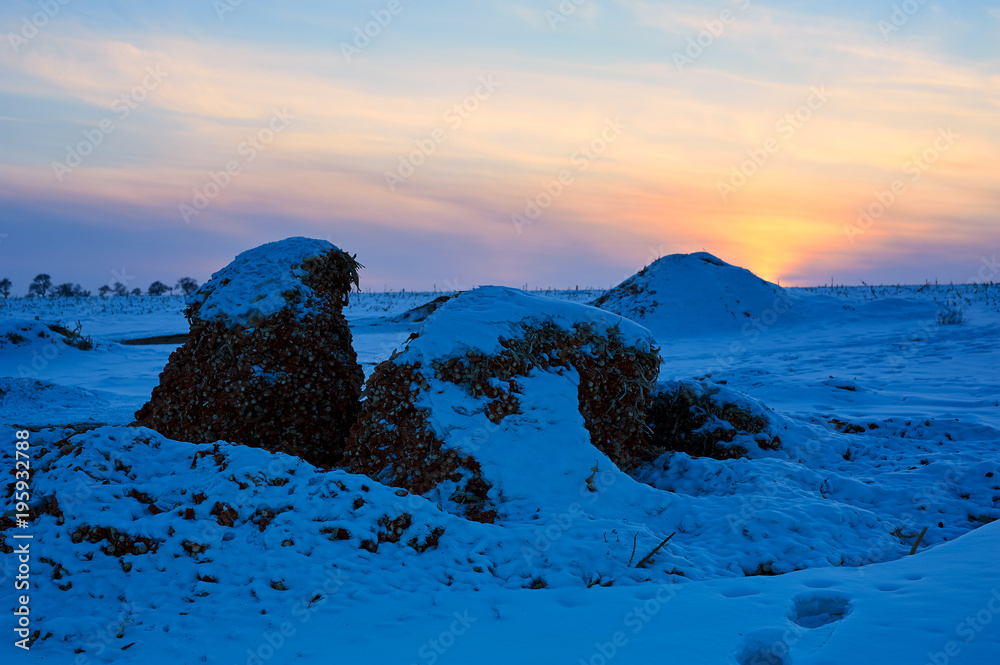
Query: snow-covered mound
688, 294
26, 333
266, 280
420, 314
269, 360
21, 332
523, 407
30, 403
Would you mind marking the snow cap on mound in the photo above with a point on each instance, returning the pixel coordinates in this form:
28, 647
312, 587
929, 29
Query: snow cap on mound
691, 293
261, 282
479, 319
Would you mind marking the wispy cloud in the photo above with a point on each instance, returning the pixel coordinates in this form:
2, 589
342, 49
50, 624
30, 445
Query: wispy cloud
657, 184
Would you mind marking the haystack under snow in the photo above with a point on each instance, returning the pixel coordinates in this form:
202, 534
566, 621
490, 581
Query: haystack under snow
506, 401
269, 361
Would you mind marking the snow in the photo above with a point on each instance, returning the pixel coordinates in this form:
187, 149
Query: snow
260, 282
32, 403
111, 319
538, 459
689, 294
889, 423
294, 570
491, 313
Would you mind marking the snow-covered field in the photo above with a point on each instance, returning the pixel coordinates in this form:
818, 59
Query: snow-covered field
158, 551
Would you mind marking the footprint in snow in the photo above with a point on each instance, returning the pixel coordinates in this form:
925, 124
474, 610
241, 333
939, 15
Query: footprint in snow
815, 609
771, 646
765, 647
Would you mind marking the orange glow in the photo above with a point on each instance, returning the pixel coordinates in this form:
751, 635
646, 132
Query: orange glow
661, 181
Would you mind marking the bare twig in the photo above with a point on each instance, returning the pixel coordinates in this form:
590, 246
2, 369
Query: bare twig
635, 536
916, 544
655, 550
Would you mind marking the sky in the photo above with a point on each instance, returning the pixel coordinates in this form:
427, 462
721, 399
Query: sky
541, 144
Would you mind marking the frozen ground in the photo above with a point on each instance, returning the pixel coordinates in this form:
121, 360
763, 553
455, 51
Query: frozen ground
890, 421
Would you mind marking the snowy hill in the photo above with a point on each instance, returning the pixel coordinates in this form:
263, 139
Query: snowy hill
687, 294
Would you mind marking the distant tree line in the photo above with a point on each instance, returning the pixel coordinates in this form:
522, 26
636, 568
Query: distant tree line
42, 286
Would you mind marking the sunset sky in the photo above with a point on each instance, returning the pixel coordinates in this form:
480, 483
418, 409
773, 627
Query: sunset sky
466, 143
